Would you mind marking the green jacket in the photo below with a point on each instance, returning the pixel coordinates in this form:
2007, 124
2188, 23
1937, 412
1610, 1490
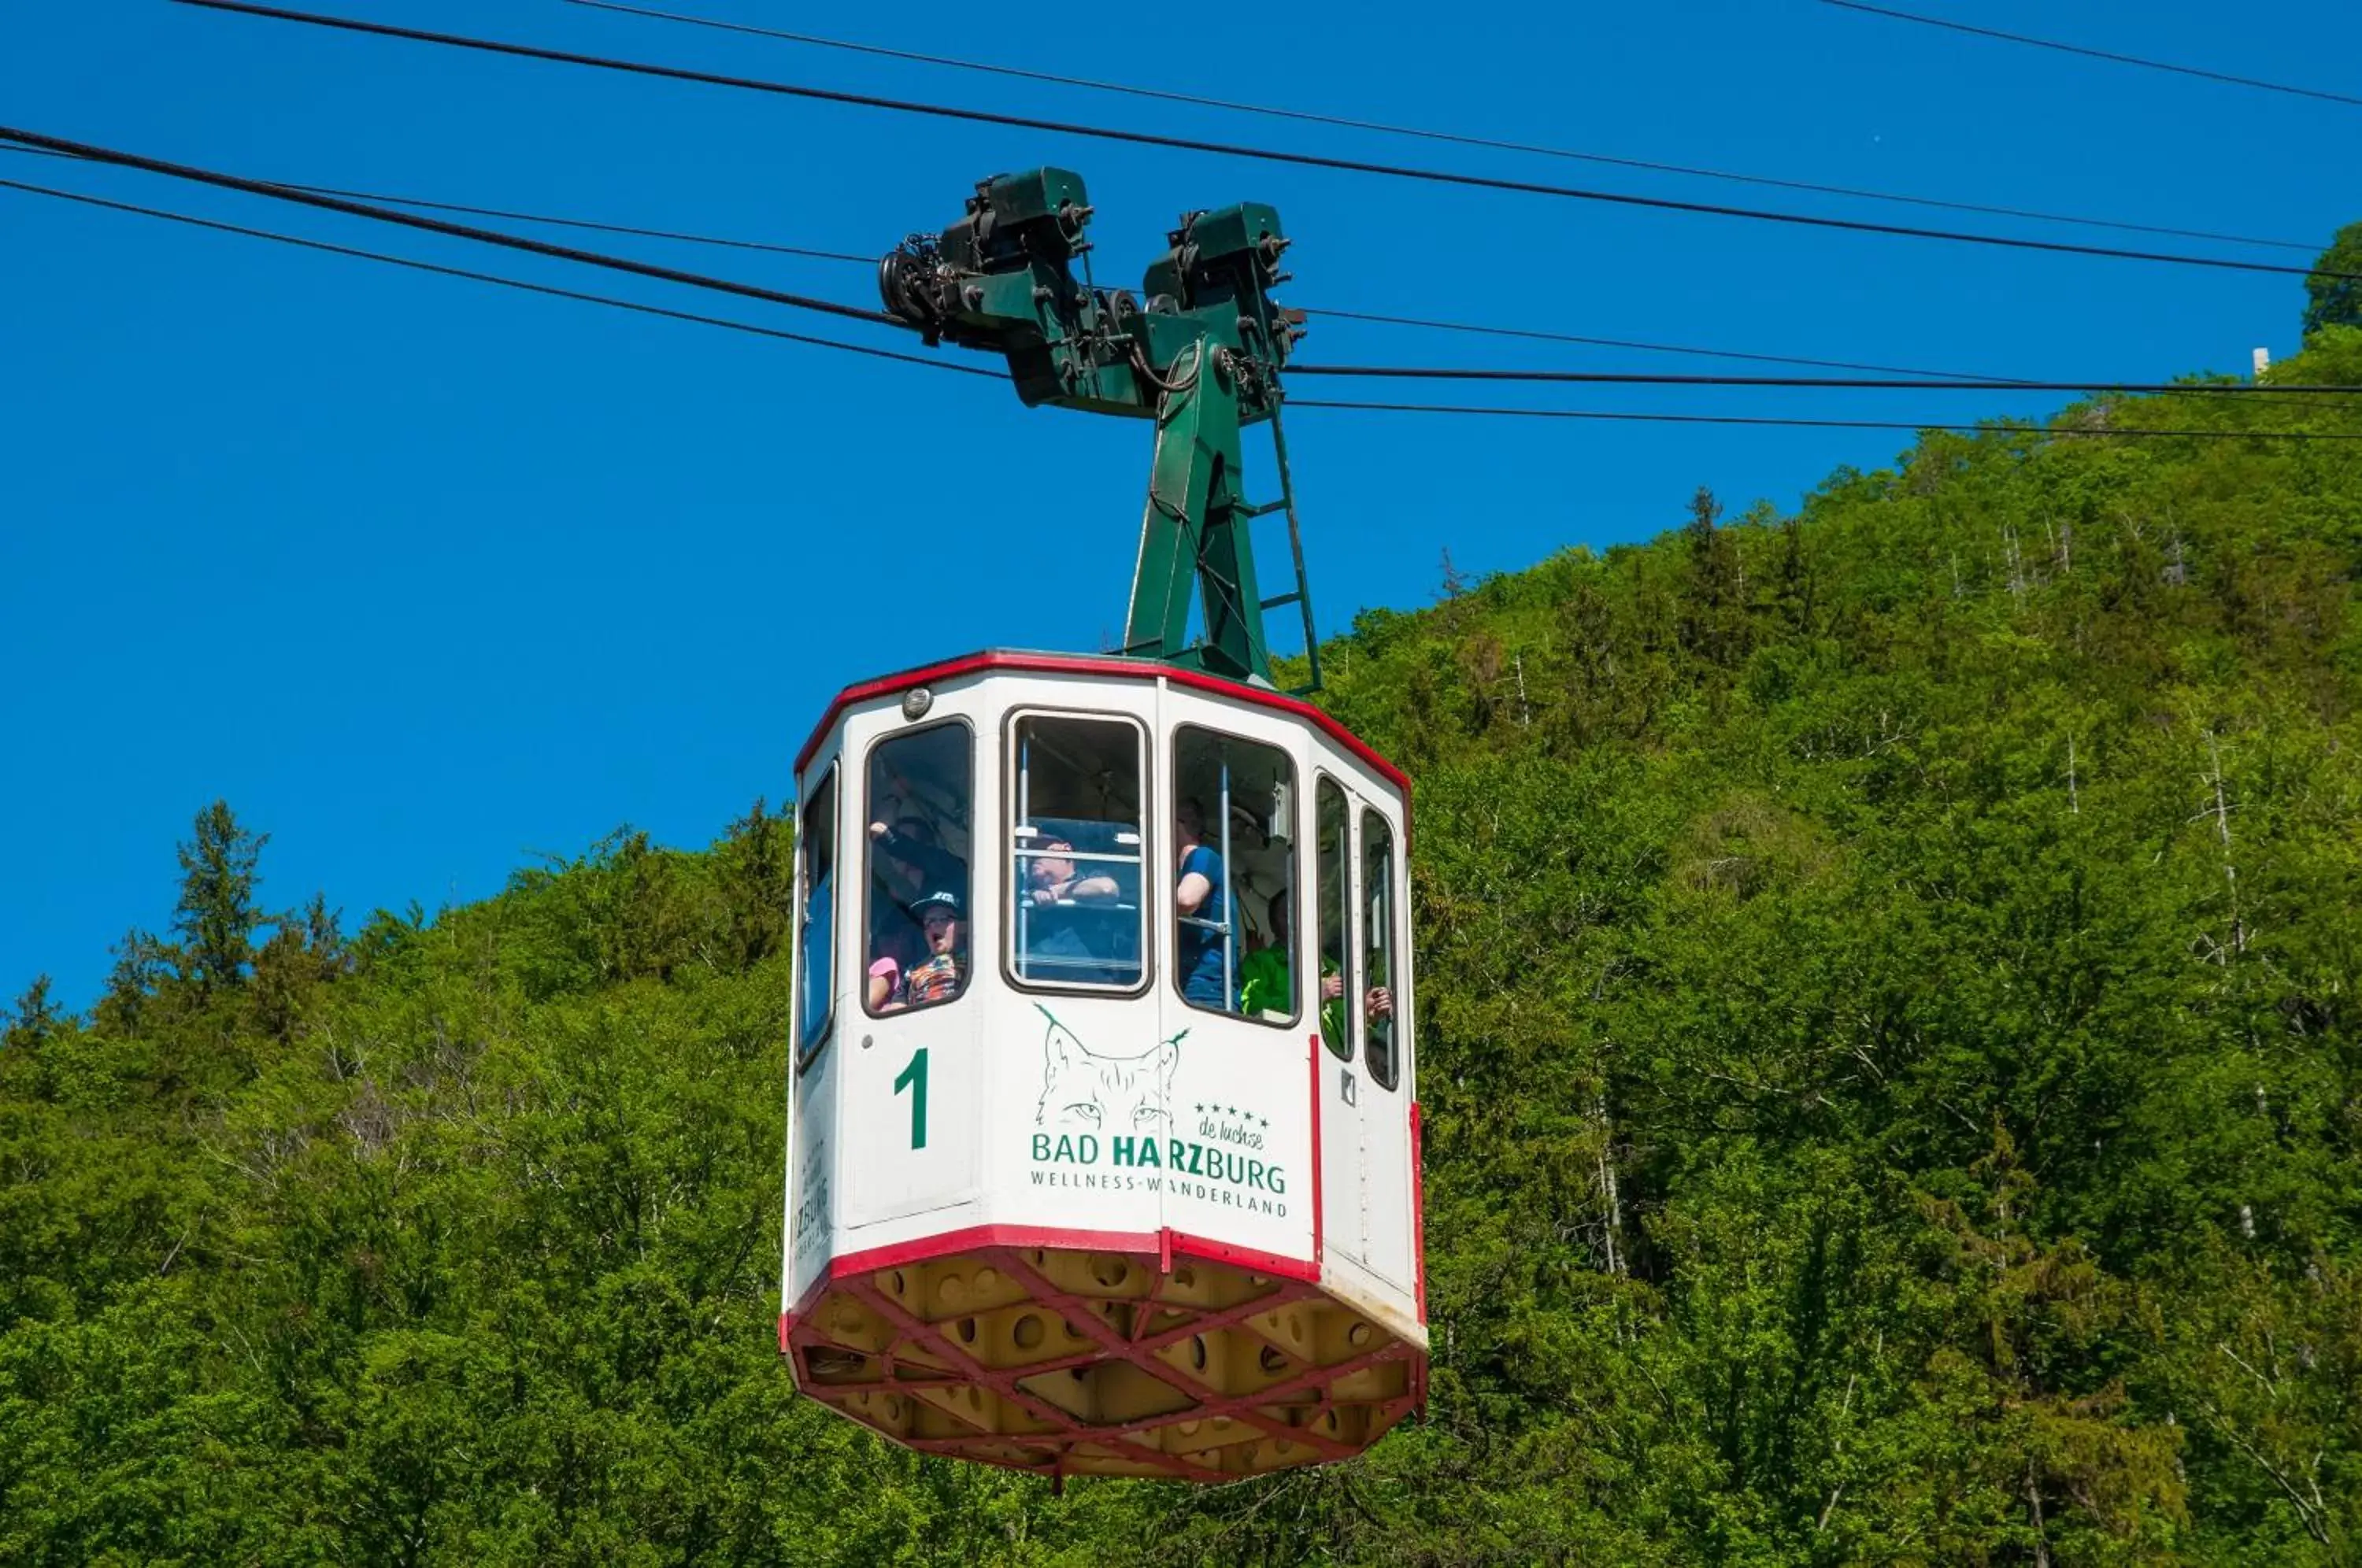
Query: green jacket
1265, 983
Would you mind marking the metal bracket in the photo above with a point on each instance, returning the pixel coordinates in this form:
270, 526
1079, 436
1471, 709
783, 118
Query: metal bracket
1202, 356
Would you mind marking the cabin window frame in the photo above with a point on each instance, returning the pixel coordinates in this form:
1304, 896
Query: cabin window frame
1397, 1037
811, 1042
1341, 1047
1230, 871
1015, 799
868, 863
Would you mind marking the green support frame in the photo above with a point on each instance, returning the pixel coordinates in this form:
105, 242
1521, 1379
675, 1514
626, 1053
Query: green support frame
1200, 352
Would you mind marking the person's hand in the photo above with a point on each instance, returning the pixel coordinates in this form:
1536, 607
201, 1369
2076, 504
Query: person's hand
877, 830
1331, 986
1042, 896
1379, 1003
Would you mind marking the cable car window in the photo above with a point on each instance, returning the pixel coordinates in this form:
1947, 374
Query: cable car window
1075, 917
1332, 862
1378, 893
1233, 875
921, 791
816, 919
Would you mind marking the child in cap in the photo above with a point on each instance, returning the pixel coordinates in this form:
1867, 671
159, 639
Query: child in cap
941, 974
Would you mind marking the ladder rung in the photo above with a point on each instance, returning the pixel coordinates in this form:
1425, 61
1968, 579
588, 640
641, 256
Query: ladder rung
1283, 598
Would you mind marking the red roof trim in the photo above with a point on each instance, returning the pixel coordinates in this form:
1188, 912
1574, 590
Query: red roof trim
1187, 1245
1021, 1236
1122, 668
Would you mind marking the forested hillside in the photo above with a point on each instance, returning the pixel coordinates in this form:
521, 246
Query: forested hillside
1891, 1063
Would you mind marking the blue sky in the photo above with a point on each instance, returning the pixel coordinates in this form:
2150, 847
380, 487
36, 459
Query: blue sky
428, 577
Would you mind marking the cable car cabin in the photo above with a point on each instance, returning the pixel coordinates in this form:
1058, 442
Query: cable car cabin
1103, 1156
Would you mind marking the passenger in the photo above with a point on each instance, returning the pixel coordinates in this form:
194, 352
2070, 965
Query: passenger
1266, 980
917, 859
941, 974
1052, 877
1077, 948
1200, 948
906, 862
1377, 1003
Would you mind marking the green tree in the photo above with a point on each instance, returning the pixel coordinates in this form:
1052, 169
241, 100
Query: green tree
2336, 301
1888, 1051
138, 968
30, 1022
306, 950
216, 916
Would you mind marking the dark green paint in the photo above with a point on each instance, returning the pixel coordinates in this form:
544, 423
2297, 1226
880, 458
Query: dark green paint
914, 1078
1200, 351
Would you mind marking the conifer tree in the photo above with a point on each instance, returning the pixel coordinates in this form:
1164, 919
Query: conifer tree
756, 867
139, 964
34, 1016
216, 914
1713, 616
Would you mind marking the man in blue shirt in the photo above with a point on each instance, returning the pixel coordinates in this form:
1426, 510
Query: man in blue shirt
1207, 912
1072, 932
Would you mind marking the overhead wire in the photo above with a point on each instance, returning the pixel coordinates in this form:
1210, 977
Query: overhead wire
109, 156
1372, 317
471, 275
438, 225
1236, 149
515, 217
1542, 335
1852, 383
1950, 26
1629, 417
1454, 139
639, 307
1339, 404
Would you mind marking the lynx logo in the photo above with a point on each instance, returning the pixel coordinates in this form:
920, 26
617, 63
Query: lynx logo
1094, 1094
1112, 1116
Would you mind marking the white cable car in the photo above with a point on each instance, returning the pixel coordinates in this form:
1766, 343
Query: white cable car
1103, 1151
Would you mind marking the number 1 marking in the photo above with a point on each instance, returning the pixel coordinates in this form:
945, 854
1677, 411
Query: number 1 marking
915, 1077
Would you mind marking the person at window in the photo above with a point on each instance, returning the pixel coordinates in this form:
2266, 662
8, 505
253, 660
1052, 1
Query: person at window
1051, 877
1063, 937
1208, 911
1377, 1003
913, 860
941, 974
1266, 981
907, 863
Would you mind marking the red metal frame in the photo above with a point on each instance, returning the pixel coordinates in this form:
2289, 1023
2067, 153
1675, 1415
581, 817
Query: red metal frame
1122, 668
947, 1243
1417, 1214
1320, 1208
1067, 1432
1005, 1246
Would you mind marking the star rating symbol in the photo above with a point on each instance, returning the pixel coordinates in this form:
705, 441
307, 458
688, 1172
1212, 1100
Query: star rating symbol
1233, 1111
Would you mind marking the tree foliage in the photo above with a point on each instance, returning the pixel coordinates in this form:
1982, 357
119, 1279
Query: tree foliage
2334, 288
217, 915
1888, 1047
